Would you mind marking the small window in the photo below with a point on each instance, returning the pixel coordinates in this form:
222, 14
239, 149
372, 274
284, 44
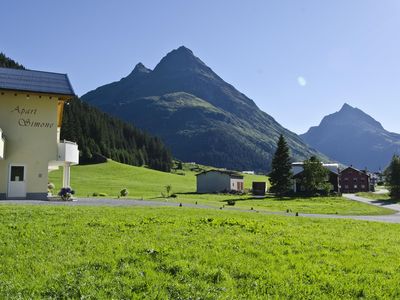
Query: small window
346, 186
355, 186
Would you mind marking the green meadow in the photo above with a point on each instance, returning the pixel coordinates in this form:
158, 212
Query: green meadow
109, 178
180, 253
375, 196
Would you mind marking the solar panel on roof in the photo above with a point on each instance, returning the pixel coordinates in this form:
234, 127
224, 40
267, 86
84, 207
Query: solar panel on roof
35, 81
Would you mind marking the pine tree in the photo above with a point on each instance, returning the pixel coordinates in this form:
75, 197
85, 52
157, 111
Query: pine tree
393, 177
281, 174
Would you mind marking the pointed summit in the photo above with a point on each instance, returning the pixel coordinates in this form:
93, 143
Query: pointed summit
181, 59
354, 138
139, 69
346, 107
183, 50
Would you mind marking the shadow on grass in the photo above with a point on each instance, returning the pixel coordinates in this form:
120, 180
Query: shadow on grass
270, 197
386, 201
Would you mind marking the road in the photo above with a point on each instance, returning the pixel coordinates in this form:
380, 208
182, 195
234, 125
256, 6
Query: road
394, 218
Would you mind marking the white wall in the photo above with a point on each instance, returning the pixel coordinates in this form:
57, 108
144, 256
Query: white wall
213, 182
234, 184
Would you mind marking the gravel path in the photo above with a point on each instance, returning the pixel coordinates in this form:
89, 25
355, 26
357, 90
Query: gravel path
395, 218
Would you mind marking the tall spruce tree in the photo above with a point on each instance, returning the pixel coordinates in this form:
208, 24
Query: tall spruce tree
393, 177
281, 174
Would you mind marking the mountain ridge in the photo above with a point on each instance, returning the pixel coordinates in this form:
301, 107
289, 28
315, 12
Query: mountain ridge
225, 128
354, 138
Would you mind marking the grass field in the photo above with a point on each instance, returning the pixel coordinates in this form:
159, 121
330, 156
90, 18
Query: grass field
373, 196
142, 183
181, 253
379, 197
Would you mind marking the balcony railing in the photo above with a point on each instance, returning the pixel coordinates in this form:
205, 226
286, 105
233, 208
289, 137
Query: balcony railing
2, 144
68, 152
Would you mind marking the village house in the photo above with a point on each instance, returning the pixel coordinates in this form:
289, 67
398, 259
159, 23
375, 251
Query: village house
218, 181
31, 110
332, 177
354, 181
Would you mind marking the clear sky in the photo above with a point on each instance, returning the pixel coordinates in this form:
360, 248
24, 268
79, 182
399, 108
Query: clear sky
298, 60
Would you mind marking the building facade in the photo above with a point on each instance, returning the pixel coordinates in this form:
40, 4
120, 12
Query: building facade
354, 181
218, 181
332, 178
31, 109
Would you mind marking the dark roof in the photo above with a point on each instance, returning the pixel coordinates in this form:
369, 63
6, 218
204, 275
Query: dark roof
230, 173
354, 169
35, 81
300, 174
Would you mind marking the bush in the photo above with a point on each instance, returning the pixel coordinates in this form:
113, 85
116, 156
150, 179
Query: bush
124, 192
231, 202
51, 186
66, 193
103, 195
95, 194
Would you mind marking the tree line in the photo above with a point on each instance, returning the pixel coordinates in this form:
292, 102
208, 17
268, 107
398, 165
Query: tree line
6, 62
99, 134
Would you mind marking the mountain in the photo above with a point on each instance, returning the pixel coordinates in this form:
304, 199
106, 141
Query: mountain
354, 138
101, 136
197, 114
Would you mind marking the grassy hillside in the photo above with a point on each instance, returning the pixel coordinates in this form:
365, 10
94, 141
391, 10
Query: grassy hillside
109, 178
141, 182
180, 253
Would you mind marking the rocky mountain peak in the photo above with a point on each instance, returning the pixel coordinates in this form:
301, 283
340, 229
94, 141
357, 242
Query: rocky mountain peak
178, 60
139, 69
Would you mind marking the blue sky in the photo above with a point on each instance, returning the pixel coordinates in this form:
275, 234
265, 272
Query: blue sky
298, 60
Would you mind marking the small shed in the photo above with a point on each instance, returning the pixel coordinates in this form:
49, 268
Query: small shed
259, 188
218, 181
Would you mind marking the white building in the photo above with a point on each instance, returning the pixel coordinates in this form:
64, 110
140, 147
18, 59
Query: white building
218, 181
31, 110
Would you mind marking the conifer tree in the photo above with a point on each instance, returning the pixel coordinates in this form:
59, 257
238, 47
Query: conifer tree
281, 174
393, 177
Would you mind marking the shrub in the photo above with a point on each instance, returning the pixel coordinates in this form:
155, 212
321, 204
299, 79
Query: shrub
51, 186
124, 192
103, 195
168, 189
95, 194
66, 193
231, 202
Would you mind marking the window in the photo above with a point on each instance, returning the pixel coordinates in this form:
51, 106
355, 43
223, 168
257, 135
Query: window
355, 186
17, 173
